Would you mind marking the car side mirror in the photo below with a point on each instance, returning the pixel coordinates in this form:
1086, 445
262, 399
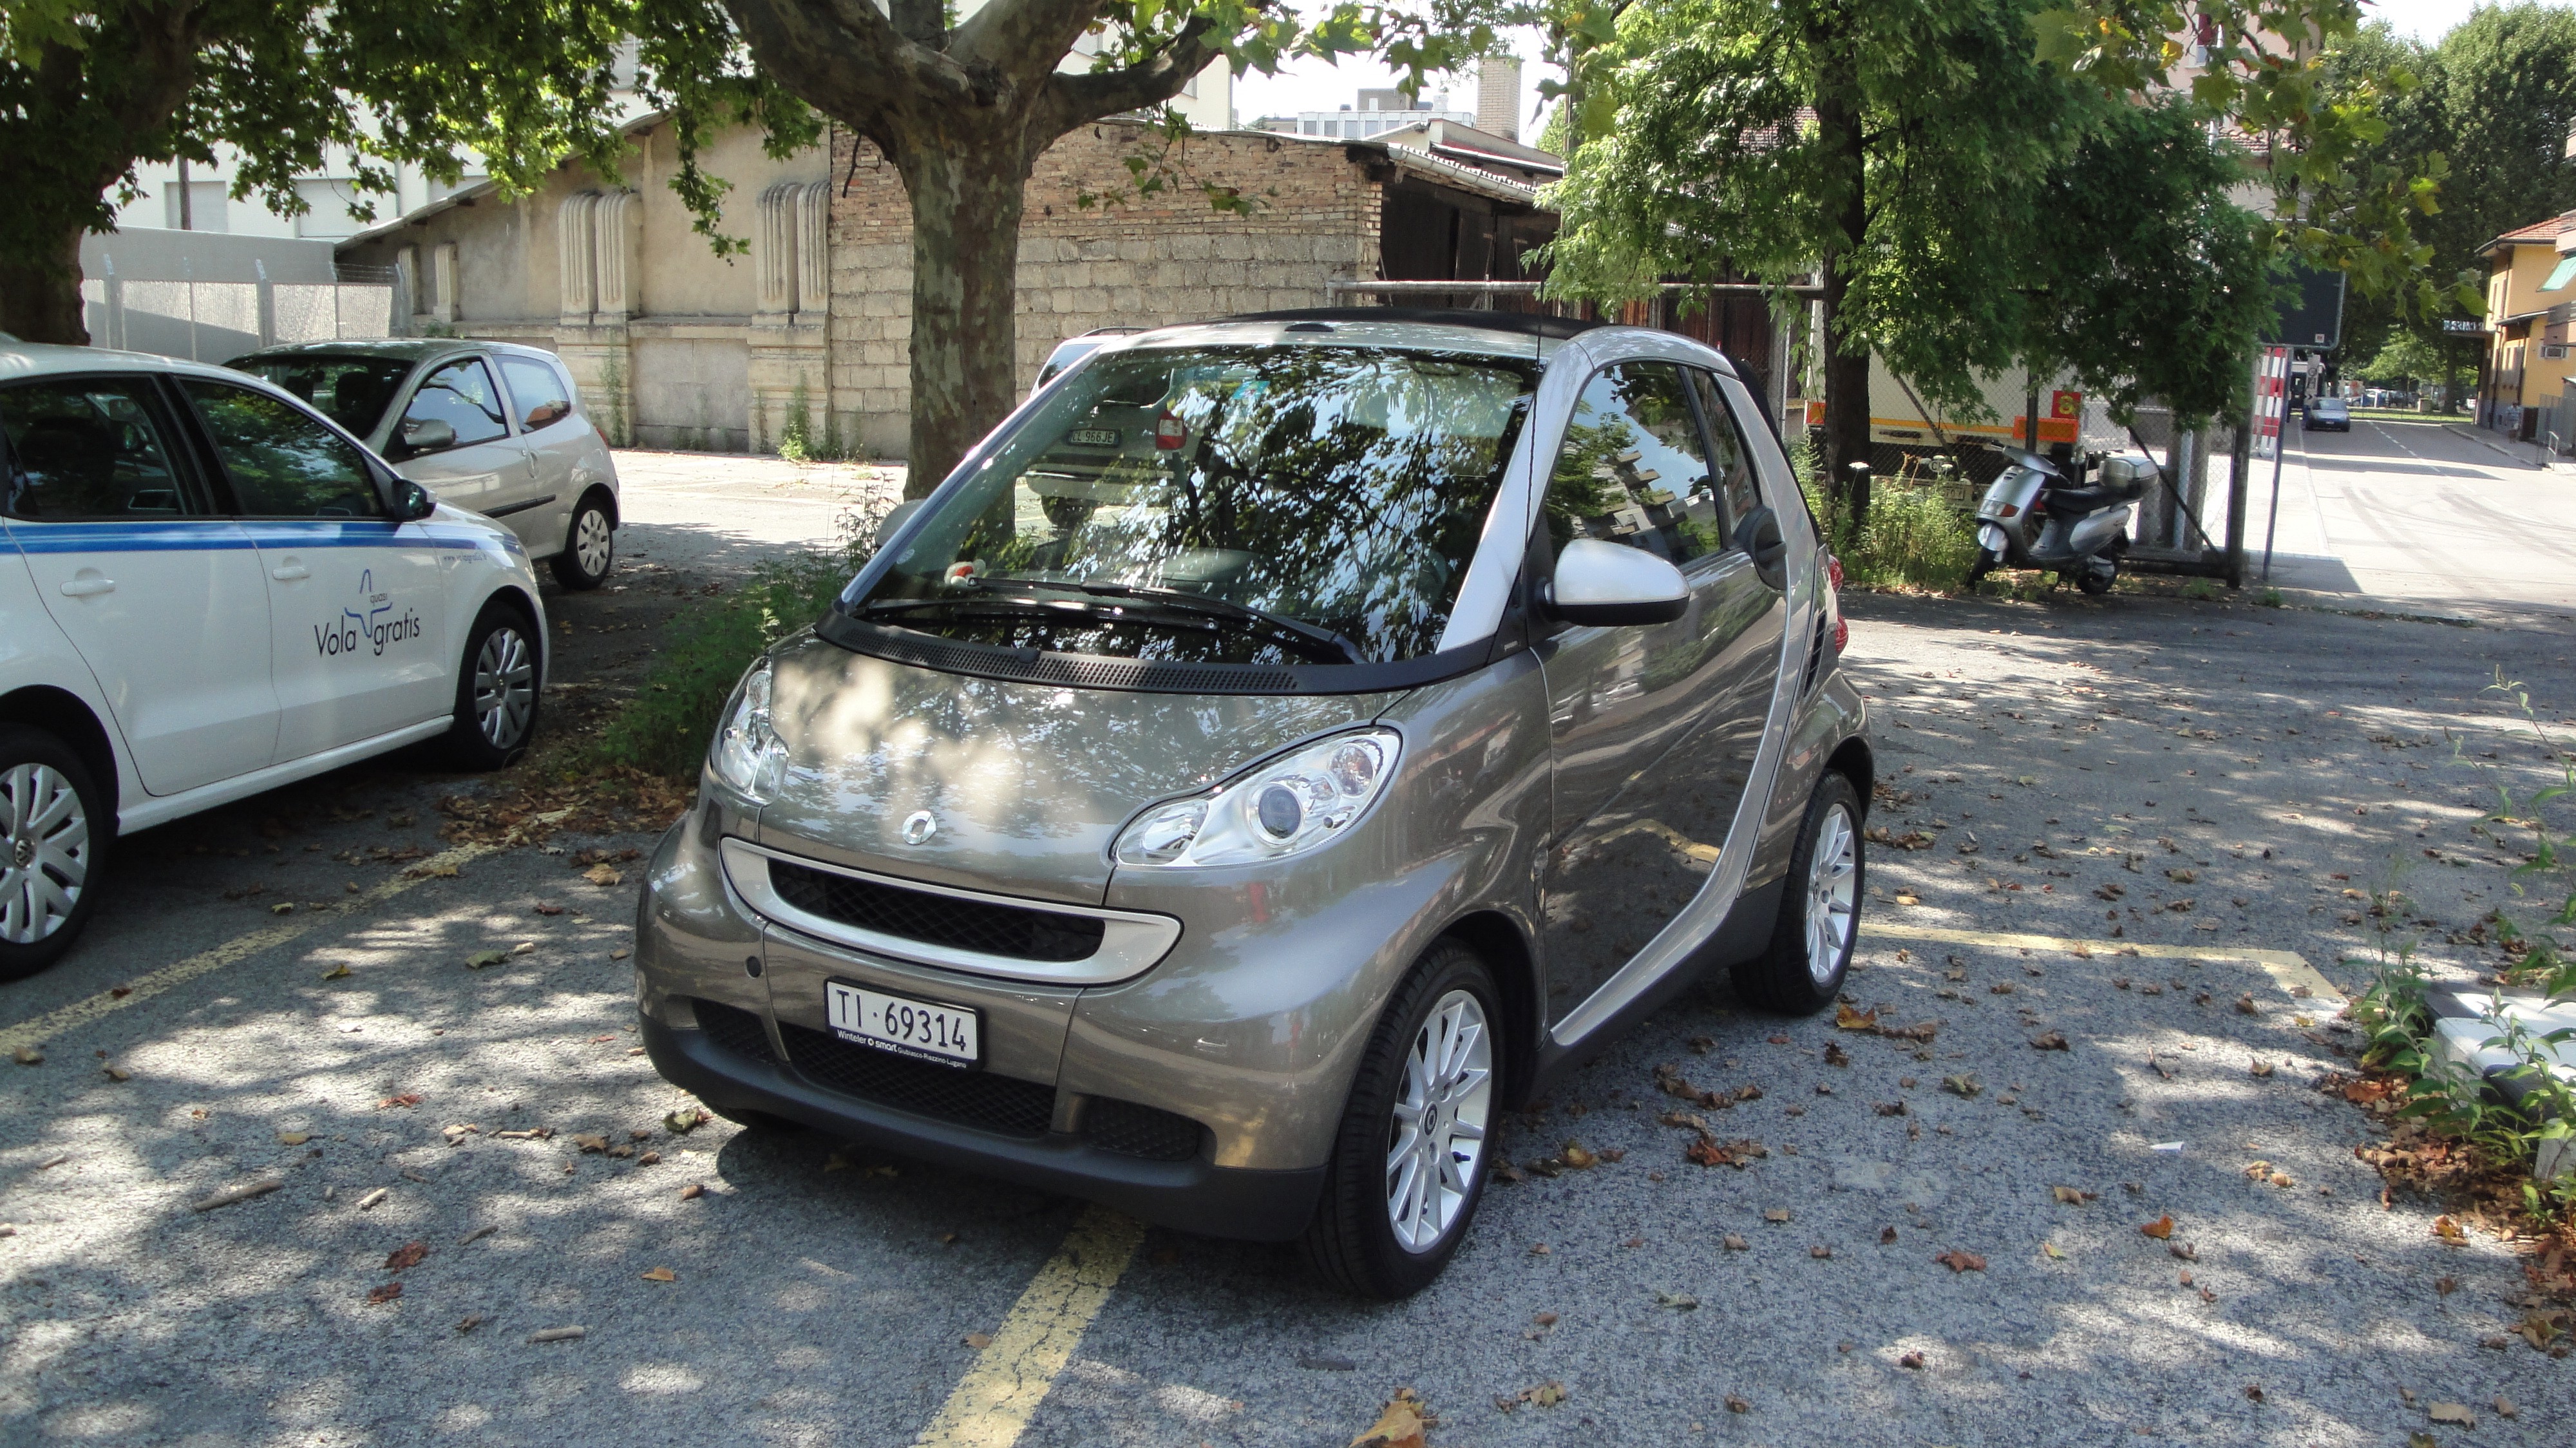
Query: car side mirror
1758, 534
412, 502
896, 516
1613, 585
426, 435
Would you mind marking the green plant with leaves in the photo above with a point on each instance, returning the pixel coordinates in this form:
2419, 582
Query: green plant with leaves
796, 432
613, 421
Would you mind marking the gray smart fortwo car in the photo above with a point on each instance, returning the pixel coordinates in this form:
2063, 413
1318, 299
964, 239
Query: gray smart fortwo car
1282, 746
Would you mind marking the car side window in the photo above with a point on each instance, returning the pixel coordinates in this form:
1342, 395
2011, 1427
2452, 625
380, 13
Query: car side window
538, 390
1738, 493
1633, 469
92, 448
461, 395
282, 462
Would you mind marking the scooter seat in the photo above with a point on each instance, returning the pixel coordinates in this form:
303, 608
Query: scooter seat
2087, 500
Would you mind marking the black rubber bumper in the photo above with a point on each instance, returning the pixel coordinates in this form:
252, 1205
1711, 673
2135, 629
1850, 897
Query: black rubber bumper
1193, 1196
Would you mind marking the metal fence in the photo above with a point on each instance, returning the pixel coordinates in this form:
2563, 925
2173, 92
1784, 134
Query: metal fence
216, 321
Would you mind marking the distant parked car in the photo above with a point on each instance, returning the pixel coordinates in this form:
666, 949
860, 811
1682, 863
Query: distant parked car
489, 427
1074, 349
2329, 414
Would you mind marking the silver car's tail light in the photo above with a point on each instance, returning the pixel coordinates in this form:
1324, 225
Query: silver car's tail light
1288, 805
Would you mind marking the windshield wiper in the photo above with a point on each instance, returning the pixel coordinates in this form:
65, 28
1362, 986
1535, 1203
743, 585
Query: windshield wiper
1278, 626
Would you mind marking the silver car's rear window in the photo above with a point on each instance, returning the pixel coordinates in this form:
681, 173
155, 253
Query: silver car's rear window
1284, 504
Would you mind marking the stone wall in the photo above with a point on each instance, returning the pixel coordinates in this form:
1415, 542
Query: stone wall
1172, 258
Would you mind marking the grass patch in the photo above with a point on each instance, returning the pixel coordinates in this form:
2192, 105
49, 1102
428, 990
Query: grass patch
1913, 539
665, 728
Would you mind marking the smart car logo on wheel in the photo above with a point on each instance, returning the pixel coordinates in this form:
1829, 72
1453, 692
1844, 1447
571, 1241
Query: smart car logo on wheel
919, 826
371, 629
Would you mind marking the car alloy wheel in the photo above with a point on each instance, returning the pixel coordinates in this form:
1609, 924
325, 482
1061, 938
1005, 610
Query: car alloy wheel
44, 852
1437, 1136
1833, 888
505, 687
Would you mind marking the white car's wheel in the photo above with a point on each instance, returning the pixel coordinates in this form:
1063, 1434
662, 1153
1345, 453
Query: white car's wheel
590, 544
54, 827
498, 688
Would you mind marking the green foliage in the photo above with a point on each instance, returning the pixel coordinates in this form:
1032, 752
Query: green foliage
665, 728
613, 421
1912, 538
2407, 357
796, 433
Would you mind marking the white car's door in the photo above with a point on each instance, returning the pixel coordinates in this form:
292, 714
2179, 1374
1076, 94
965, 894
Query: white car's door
557, 439
484, 469
358, 646
158, 589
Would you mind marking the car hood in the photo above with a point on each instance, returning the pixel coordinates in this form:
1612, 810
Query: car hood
1028, 783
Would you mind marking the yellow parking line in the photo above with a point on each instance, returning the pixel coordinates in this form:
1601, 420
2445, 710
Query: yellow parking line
993, 1403
2288, 968
81, 1013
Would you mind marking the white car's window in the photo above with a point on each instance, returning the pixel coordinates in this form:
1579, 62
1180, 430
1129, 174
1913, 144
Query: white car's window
351, 391
1632, 469
539, 391
461, 395
92, 447
282, 463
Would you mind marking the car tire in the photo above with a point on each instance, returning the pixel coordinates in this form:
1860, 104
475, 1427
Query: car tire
1819, 920
1434, 1056
499, 684
590, 544
55, 825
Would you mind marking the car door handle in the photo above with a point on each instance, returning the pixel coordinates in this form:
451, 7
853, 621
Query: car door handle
83, 587
289, 572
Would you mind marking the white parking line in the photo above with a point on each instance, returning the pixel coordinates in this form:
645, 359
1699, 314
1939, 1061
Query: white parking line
82, 1012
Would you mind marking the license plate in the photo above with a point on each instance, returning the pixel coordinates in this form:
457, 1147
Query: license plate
950, 1035
1093, 437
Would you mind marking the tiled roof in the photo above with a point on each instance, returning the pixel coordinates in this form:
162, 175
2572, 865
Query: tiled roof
2544, 230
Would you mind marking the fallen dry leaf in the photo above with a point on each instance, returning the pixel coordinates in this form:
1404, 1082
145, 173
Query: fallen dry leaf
661, 1274
1961, 1086
589, 1143
406, 1257
469, 1322
692, 1192
2160, 1229
481, 958
2072, 1196
27, 1056
1820, 1253
1835, 1055
406, 1101
681, 1123
1399, 1424
1958, 1261
2049, 1250
1912, 1360
978, 1340
1677, 1301
2050, 1041
2259, 1068
293, 1138
1736, 1243
387, 1293
2448, 1230
2455, 1414
1776, 1214
1735, 1404
1851, 1020
602, 875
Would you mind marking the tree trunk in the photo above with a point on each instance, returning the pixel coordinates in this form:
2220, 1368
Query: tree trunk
40, 295
966, 205
1839, 128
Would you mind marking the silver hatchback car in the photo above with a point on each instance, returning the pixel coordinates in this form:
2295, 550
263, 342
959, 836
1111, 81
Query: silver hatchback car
490, 427
1280, 748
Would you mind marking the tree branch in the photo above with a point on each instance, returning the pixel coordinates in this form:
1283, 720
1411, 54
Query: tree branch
854, 65
1073, 100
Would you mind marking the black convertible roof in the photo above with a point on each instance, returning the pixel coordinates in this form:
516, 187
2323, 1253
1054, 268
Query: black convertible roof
1524, 324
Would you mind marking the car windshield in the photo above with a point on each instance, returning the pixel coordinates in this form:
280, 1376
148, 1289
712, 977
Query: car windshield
351, 391
1252, 504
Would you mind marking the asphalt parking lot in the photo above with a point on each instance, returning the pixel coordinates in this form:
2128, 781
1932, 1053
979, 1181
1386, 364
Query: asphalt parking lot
1881, 1253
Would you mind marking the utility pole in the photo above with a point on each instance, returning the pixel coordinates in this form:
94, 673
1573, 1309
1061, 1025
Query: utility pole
187, 203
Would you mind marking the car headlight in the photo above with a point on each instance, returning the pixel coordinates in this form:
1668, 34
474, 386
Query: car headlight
1293, 803
748, 755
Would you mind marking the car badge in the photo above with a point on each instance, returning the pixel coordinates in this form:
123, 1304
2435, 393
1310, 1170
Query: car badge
919, 826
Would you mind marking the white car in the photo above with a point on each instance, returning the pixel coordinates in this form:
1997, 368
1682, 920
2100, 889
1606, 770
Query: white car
208, 590
488, 426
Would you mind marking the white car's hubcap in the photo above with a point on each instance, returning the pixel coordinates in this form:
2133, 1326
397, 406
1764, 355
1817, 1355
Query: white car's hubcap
44, 852
505, 688
1833, 882
591, 542
1436, 1144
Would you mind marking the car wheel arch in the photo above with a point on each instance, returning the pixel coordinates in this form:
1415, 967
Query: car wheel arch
1504, 947
1853, 761
67, 717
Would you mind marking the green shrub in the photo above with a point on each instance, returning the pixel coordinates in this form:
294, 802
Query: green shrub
1913, 538
666, 726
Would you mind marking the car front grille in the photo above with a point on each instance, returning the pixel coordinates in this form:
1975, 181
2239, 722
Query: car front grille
979, 1099
1133, 1130
734, 1029
1014, 931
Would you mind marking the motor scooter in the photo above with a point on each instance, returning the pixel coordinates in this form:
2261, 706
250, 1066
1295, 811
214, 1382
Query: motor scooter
2041, 513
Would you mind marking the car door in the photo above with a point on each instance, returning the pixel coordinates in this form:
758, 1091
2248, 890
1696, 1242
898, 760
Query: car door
1648, 725
357, 642
158, 589
481, 466
556, 438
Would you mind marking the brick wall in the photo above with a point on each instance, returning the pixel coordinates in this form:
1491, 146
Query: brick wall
1172, 258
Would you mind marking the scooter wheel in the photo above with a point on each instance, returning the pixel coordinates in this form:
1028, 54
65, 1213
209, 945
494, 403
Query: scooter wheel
2098, 581
1977, 571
